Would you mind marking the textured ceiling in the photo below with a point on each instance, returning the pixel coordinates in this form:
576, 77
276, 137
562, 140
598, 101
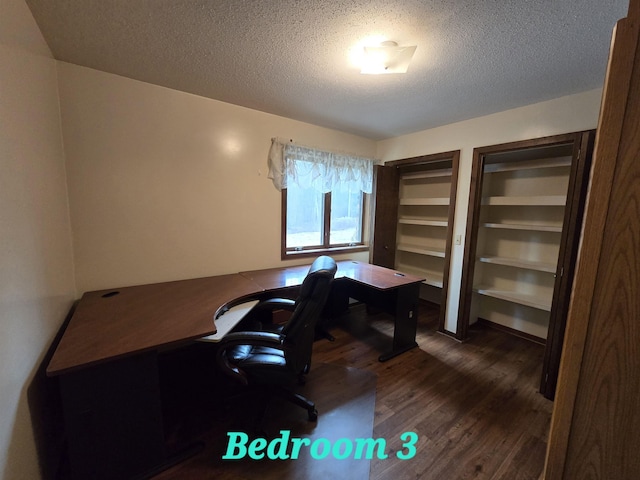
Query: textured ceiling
292, 57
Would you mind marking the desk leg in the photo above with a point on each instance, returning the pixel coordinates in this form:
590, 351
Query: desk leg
406, 321
113, 420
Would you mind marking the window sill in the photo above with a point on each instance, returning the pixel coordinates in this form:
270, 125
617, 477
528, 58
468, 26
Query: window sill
323, 251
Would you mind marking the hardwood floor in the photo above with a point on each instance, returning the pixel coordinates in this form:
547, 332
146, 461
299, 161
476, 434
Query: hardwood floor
474, 406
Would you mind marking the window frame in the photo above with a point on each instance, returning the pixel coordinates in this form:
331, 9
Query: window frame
325, 248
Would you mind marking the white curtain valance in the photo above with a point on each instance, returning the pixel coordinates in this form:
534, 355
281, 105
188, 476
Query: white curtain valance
323, 171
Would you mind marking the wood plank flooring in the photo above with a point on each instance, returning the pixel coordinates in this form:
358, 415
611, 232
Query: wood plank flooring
474, 405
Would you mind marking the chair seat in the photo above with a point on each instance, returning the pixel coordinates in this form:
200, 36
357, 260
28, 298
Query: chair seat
246, 355
262, 364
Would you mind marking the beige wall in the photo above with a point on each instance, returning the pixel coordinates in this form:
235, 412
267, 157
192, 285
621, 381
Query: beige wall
36, 274
567, 114
161, 185
165, 185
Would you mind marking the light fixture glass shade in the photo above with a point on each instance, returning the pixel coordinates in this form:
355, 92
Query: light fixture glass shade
387, 58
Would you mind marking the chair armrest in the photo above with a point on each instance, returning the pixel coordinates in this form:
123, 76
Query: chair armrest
261, 317
276, 304
261, 339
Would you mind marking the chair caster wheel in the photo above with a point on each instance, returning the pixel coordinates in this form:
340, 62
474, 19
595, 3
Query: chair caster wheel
313, 415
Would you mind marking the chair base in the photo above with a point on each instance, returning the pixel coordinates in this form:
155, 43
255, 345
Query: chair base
260, 397
299, 400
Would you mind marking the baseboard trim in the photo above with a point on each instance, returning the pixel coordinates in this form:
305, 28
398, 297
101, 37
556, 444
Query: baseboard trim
512, 331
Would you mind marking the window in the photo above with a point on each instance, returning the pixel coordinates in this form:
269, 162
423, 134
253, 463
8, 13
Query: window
322, 197
318, 221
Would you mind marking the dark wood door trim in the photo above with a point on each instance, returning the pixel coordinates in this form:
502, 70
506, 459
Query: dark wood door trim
450, 159
572, 225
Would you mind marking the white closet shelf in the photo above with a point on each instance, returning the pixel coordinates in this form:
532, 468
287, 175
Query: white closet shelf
430, 251
433, 283
431, 278
426, 174
529, 164
528, 300
536, 200
515, 226
518, 263
421, 221
425, 201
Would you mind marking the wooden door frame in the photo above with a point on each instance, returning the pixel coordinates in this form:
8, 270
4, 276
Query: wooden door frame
384, 216
586, 432
432, 161
572, 226
576, 192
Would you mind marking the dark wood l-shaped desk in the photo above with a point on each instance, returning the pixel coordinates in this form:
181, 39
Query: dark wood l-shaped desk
107, 357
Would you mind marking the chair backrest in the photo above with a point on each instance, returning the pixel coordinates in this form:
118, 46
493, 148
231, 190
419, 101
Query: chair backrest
299, 332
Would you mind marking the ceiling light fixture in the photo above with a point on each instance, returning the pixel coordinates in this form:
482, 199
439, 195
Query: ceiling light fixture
388, 57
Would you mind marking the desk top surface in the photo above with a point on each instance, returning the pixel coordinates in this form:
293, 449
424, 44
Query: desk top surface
107, 324
113, 323
375, 276
380, 278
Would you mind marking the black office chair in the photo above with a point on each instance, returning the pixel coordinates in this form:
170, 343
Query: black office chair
274, 360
